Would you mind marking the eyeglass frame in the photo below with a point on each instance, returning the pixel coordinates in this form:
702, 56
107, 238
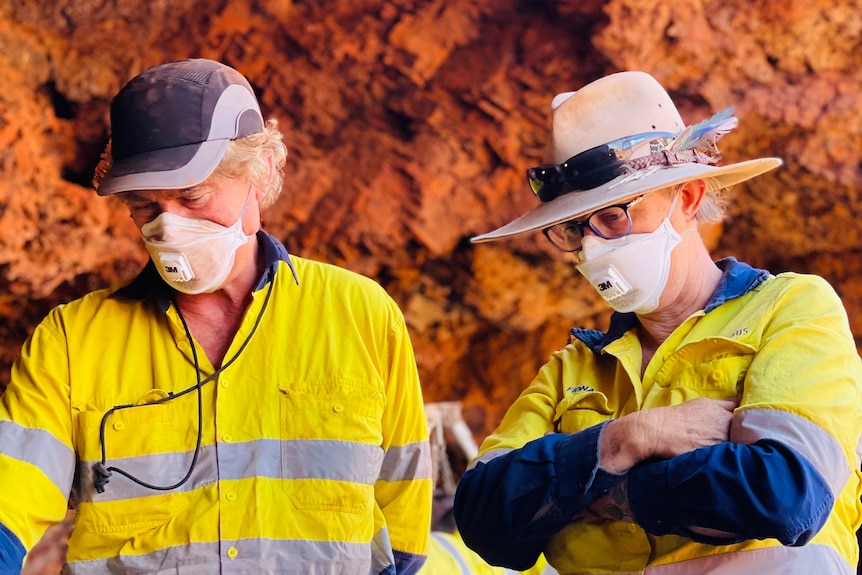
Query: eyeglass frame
584, 223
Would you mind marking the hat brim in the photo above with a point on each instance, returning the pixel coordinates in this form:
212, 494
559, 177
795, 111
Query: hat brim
576, 204
166, 169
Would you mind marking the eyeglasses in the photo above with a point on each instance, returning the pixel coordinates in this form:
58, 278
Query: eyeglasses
592, 168
608, 223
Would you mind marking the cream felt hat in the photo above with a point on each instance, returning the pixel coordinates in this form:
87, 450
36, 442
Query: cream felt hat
618, 138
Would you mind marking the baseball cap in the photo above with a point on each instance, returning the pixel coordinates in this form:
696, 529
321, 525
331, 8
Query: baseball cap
171, 125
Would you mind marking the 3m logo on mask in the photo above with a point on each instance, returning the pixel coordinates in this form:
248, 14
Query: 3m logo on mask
176, 267
611, 284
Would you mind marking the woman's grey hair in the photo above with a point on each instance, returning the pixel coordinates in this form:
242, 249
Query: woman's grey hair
713, 207
249, 158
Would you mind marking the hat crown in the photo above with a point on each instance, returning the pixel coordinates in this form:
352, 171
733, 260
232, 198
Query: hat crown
613, 107
177, 104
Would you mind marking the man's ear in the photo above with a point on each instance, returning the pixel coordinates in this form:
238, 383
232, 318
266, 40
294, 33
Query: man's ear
691, 195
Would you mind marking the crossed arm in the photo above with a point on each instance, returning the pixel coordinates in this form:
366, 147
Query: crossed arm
661, 432
508, 507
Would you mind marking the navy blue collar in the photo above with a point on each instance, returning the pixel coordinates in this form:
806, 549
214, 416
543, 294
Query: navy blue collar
149, 284
737, 279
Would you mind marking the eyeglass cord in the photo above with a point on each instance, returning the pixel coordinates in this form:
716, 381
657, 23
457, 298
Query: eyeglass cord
102, 474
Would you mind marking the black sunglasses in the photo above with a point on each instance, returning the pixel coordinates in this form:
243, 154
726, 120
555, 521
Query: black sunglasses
592, 168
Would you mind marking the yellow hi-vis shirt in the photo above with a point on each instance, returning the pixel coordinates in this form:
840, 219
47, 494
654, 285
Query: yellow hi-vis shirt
448, 555
314, 454
786, 351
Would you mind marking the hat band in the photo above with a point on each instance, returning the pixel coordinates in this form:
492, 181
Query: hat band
594, 167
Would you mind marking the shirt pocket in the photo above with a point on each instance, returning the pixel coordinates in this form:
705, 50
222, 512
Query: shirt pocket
713, 367
331, 435
581, 410
154, 443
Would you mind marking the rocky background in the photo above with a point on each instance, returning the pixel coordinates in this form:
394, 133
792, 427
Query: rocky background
410, 124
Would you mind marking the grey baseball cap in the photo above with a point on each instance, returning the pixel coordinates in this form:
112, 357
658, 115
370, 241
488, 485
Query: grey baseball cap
171, 125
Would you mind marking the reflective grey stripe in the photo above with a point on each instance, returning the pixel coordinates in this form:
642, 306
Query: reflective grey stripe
411, 461
812, 441
381, 551
811, 559
38, 447
158, 469
271, 458
486, 457
289, 557
465, 569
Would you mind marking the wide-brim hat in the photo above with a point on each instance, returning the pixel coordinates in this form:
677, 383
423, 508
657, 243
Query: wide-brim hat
171, 125
628, 107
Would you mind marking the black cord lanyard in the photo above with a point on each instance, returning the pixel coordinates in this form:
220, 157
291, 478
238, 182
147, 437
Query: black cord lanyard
102, 474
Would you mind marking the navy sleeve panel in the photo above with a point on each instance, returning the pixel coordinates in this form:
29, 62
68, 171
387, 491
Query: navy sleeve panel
508, 508
762, 491
11, 552
408, 563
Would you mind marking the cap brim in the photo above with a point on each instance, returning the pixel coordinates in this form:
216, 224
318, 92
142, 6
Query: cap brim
576, 204
166, 169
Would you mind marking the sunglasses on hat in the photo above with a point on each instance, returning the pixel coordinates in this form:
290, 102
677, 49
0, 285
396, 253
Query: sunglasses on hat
592, 168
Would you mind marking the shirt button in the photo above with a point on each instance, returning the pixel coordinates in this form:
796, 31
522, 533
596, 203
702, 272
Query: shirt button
337, 408
232, 552
227, 437
715, 376
224, 383
118, 425
230, 496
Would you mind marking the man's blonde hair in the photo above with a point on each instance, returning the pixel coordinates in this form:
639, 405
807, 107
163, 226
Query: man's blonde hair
249, 159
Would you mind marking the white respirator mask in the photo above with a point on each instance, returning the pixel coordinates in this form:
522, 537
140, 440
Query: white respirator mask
193, 255
631, 272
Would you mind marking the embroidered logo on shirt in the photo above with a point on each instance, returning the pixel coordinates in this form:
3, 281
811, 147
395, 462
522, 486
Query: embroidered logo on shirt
579, 388
739, 332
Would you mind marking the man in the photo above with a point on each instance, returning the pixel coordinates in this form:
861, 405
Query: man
233, 409
714, 427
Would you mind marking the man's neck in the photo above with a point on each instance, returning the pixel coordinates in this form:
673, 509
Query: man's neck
687, 297
214, 318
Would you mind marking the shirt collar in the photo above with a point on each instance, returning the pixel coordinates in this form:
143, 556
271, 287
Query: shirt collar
737, 279
149, 284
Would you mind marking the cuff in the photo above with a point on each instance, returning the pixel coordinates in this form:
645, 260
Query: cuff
578, 458
11, 551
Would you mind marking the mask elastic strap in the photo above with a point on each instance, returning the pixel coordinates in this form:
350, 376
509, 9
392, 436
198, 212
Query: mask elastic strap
673, 201
245, 204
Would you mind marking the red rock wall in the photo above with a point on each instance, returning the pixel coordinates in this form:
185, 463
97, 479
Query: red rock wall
410, 124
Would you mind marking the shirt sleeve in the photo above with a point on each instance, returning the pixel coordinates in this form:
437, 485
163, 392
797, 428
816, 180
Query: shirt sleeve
11, 552
793, 439
508, 507
757, 491
404, 489
37, 461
